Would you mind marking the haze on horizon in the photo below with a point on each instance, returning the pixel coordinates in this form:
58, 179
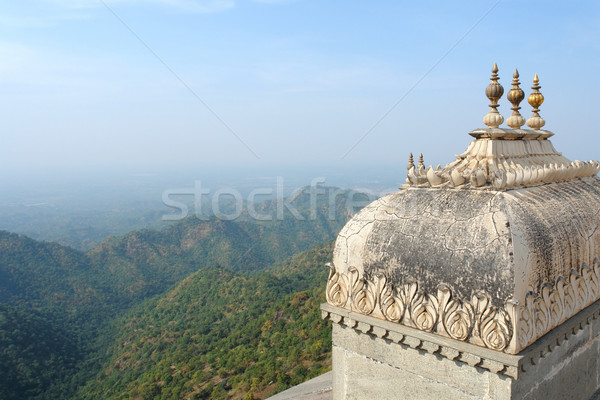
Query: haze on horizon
258, 83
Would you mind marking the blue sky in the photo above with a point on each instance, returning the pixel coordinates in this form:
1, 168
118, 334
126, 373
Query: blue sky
282, 82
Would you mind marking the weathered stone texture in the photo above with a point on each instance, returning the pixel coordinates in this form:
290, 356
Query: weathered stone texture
433, 237
554, 229
502, 242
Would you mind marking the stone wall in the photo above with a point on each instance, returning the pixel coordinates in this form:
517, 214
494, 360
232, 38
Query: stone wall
371, 362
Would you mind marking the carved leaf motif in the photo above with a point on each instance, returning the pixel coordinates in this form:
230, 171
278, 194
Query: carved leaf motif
528, 320
337, 289
424, 311
480, 302
570, 300
520, 174
534, 170
495, 329
478, 322
556, 304
363, 296
353, 275
591, 281
434, 177
478, 177
557, 308
391, 305
543, 307
409, 291
580, 290
499, 180
411, 177
458, 319
513, 312
457, 316
492, 325
456, 178
510, 177
595, 281
526, 175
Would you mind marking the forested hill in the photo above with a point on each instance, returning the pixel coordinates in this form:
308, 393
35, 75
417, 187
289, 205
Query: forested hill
46, 275
220, 334
145, 263
36, 354
51, 302
74, 302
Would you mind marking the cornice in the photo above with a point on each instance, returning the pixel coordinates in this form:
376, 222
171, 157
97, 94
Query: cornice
513, 366
509, 328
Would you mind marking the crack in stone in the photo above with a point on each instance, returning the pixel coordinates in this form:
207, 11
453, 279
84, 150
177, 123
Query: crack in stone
353, 234
470, 248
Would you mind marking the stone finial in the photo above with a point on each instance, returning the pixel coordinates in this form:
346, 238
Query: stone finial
494, 92
411, 162
515, 96
421, 162
535, 99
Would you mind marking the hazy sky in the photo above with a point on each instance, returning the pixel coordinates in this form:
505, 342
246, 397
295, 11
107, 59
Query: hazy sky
168, 83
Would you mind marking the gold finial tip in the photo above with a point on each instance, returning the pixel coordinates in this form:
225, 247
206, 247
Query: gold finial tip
536, 99
515, 96
494, 92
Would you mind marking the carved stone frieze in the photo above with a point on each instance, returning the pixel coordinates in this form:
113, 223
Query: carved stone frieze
509, 329
503, 164
497, 362
475, 321
556, 303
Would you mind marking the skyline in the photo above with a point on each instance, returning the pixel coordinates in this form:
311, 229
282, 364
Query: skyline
259, 83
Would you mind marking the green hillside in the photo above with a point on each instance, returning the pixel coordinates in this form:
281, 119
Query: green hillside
53, 306
36, 355
145, 263
221, 334
244, 308
46, 275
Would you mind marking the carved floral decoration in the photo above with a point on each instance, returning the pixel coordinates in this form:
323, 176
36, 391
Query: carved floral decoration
557, 303
475, 168
475, 320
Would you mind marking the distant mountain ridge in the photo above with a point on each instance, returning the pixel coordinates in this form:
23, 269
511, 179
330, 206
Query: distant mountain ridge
145, 263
